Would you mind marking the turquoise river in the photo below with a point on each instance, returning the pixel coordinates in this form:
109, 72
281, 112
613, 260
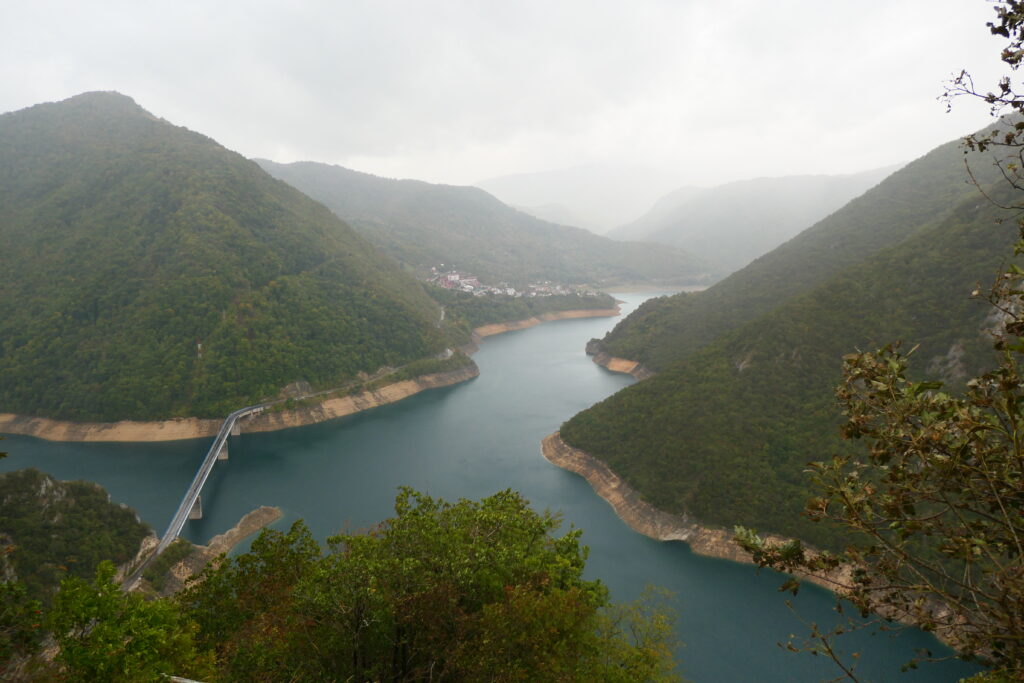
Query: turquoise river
469, 441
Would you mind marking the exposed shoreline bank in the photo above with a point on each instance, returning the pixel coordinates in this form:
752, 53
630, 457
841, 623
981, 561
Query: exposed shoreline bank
126, 431
628, 367
648, 520
197, 428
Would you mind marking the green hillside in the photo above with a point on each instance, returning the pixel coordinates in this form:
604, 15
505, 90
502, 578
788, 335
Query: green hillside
725, 433
915, 198
424, 225
147, 272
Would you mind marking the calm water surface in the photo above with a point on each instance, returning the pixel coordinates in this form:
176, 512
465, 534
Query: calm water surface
469, 441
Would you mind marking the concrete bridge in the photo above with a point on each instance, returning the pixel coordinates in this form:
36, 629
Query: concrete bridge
191, 505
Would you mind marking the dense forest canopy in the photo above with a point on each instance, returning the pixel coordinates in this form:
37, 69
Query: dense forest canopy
147, 272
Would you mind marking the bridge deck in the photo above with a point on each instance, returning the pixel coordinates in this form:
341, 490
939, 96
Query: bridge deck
181, 514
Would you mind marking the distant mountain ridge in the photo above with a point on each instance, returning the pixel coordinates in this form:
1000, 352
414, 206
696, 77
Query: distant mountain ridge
148, 273
423, 225
735, 223
600, 196
559, 214
662, 212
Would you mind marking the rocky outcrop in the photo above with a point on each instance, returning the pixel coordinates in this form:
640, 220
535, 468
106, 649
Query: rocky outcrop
629, 367
646, 519
499, 328
201, 555
146, 547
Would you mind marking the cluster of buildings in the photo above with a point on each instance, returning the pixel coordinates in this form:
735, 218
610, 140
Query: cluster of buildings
453, 279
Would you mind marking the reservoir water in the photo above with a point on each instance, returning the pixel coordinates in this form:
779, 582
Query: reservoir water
469, 441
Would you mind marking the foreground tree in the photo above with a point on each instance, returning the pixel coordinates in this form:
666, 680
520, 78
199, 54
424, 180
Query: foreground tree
936, 499
105, 634
21, 632
443, 591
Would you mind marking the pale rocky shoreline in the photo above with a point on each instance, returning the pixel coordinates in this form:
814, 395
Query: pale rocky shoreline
328, 409
195, 428
648, 520
623, 365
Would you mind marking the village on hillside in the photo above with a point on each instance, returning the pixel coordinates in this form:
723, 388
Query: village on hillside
453, 279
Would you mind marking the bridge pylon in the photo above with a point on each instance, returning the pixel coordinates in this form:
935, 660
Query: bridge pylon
196, 512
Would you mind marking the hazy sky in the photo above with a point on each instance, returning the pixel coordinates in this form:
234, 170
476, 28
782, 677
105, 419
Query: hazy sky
455, 92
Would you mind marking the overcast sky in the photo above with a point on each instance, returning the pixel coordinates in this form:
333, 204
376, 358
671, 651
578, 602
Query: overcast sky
456, 92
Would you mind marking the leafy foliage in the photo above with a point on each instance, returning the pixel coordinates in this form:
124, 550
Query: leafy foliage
60, 529
423, 225
105, 634
148, 272
21, 629
938, 498
458, 591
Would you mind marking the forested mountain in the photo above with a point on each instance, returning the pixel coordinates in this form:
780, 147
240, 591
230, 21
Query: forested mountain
725, 430
917, 197
148, 272
733, 224
424, 225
